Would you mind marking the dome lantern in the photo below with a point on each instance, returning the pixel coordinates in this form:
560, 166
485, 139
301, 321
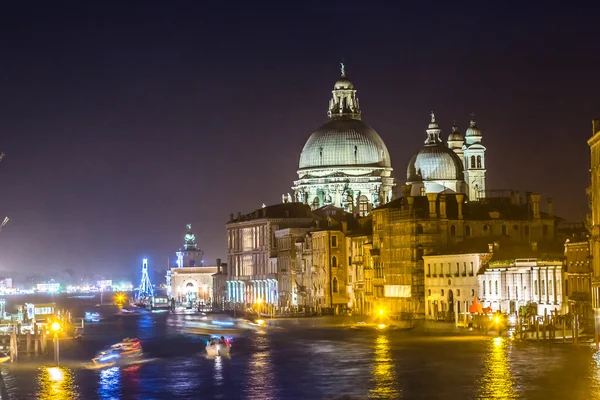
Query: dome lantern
344, 103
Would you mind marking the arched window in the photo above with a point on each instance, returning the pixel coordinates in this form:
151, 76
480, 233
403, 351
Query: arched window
478, 161
335, 285
419, 229
467, 230
452, 230
334, 262
472, 161
315, 202
363, 205
526, 230
515, 227
503, 230
486, 228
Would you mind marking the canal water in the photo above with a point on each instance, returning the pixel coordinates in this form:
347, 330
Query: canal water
431, 362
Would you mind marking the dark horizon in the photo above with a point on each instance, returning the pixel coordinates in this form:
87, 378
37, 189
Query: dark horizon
124, 122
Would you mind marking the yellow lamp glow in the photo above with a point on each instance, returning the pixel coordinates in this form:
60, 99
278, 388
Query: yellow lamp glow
55, 326
496, 319
258, 301
120, 298
380, 311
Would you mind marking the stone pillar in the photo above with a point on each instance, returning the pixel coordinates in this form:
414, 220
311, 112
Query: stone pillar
443, 206
431, 197
460, 198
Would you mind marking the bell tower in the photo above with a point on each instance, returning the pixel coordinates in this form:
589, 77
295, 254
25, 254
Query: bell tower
474, 161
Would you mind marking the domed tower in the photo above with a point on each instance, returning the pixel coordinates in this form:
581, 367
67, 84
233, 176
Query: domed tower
435, 168
456, 142
345, 162
190, 255
474, 160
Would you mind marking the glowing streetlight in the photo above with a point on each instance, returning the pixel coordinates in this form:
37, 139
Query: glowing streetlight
56, 327
381, 311
120, 298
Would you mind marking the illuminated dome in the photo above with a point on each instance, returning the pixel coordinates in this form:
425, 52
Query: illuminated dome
436, 167
344, 142
435, 162
345, 162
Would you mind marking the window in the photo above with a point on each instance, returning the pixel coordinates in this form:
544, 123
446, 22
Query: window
457, 292
334, 262
536, 287
490, 283
315, 202
449, 268
550, 287
543, 288
419, 229
457, 268
508, 292
515, 227
442, 292
516, 293
428, 269
545, 230
496, 285
472, 161
478, 161
434, 269
486, 228
464, 268
429, 292
423, 192
363, 205
467, 230
335, 285
452, 230
526, 230
471, 269
333, 240
503, 230
484, 288
473, 292
441, 268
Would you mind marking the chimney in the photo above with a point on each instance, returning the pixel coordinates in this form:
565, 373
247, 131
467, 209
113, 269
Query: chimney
460, 198
549, 207
405, 191
534, 246
535, 205
411, 203
491, 247
431, 197
515, 197
218, 265
264, 212
443, 206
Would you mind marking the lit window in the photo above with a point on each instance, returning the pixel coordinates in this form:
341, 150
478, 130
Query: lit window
333, 240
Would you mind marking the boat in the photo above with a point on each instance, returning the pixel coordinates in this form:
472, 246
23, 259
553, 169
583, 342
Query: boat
129, 349
216, 324
91, 316
218, 346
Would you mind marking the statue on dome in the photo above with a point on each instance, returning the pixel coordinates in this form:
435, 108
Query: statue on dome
343, 69
432, 116
289, 198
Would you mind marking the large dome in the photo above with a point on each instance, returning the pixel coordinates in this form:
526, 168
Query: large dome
435, 162
344, 142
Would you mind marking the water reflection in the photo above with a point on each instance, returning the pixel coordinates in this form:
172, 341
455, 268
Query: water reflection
383, 371
218, 371
261, 382
497, 381
110, 383
56, 383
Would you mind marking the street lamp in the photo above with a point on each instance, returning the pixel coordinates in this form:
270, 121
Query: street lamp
259, 302
56, 328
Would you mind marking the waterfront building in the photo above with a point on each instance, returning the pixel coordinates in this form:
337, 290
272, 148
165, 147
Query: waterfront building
360, 269
519, 274
578, 279
220, 286
48, 287
594, 194
457, 166
252, 271
451, 284
291, 267
345, 162
410, 227
190, 281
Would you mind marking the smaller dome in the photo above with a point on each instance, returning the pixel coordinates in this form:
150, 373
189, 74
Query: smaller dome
435, 162
455, 136
473, 130
343, 83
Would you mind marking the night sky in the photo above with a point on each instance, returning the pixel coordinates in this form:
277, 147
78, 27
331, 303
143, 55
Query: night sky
123, 121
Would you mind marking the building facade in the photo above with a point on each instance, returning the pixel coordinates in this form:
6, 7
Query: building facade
578, 277
345, 162
252, 270
594, 194
411, 227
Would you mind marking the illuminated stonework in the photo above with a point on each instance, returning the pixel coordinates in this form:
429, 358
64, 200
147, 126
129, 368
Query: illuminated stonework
455, 167
345, 162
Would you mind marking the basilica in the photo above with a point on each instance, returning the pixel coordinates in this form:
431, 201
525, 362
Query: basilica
346, 163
